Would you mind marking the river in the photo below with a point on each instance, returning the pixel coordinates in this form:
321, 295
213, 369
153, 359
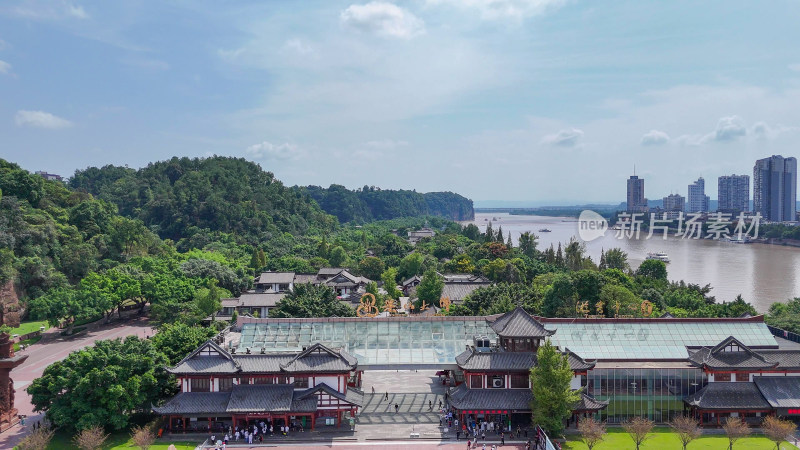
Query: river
762, 273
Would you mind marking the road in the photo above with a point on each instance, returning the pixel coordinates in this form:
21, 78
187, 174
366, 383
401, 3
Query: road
53, 348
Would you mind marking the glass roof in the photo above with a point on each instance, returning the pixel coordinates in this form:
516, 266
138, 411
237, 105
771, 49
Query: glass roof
653, 340
373, 342
432, 341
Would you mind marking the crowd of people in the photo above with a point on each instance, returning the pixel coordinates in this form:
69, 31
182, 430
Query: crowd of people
253, 433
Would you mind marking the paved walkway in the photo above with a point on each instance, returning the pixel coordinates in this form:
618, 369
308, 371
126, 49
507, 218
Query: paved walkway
54, 347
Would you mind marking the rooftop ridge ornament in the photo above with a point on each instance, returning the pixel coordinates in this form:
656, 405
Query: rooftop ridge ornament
366, 306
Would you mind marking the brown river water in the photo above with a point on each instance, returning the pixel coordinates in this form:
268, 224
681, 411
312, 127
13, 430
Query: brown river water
761, 273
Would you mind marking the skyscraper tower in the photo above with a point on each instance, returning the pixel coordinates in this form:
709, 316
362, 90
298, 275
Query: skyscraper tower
636, 201
733, 193
775, 188
697, 200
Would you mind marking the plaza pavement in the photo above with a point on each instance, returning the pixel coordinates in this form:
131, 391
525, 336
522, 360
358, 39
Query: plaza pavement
51, 348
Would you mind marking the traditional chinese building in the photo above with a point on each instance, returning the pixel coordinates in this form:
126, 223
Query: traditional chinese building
745, 382
497, 377
312, 387
638, 366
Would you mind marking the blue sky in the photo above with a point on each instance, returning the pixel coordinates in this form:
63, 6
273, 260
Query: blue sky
543, 100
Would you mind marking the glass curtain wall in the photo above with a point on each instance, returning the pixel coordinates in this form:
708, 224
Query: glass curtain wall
653, 393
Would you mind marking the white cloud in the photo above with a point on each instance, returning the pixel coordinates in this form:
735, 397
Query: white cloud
77, 11
564, 138
655, 137
268, 150
298, 46
383, 19
45, 10
4, 67
504, 9
40, 119
794, 67
729, 129
230, 55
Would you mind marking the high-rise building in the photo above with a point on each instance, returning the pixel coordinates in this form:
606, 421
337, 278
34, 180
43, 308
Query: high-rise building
674, 205
697, 200
733, 193
775, 188
674, 202
636, 201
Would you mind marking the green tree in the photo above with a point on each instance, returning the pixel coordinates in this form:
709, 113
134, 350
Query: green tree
389, 278
430, 288
207, 300
553, 398
371, 267
653, 269
559, 298
102, 385
527, 244
178, 340
574, 254
308, 300
617, 298
338, 256
615, 258
411, 265
65, 305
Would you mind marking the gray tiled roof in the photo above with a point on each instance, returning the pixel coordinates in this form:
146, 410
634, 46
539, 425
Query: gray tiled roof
205, 364
726, 395
318, 358
786, 359
261, 397
518, 323
257, 363
300, 278
275, 278
195, 363
257, 299
589, 403
718, 358
780, 392
354, 396
303, 404
195, 403
521, 361
510, 399
458, 291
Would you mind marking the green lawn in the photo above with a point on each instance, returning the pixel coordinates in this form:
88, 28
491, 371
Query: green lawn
662, 439
121, 440
27, 342
29, 327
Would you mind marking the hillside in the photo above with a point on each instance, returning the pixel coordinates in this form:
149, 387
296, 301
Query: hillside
51, 236
370, 203
181, 196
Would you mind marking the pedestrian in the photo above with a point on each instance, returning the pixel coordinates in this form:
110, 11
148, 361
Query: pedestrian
483, 436
528, 445
519, 431
469, 443
430, 405
502, 439
396, 408
440, 403
386, 396
458, 434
